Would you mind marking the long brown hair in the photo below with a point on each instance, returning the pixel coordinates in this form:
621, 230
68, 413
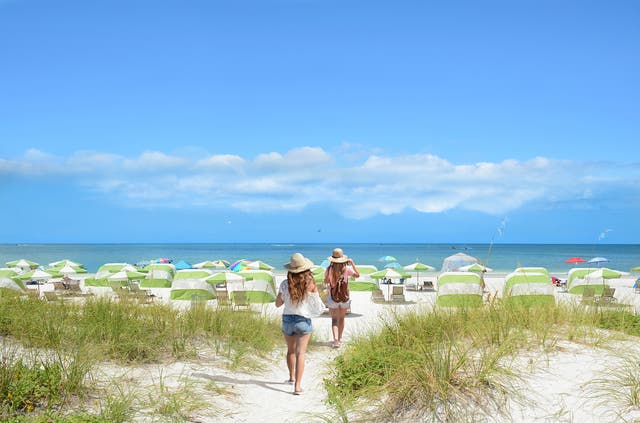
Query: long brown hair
298, 283
334, 272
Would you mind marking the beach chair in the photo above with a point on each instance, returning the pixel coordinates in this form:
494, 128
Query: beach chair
588, 296
427, 286
51, 297
377, 296
397, 294
144, 296
240, 299
222, 298
607, 297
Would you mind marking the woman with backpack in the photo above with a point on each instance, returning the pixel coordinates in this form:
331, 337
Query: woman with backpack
336, 278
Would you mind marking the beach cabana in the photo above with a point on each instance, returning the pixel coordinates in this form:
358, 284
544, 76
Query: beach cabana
108, 269
192, 274
455, 262
459, 289
191, 289
10, 287
258, 291
579, 278
528, 288
363, 283
160, 271
264, 275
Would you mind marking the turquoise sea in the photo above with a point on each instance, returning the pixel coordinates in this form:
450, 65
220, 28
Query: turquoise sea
500, 257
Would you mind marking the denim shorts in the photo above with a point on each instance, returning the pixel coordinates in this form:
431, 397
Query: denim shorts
333, 304
293, 324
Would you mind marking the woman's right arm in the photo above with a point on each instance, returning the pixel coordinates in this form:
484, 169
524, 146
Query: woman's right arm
279, 300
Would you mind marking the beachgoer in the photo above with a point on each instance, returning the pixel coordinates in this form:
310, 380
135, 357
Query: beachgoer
336, 275
299, 294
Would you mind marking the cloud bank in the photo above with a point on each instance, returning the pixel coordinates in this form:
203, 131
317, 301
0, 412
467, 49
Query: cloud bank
357, 187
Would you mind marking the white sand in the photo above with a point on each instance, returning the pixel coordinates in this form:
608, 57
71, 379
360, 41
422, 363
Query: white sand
555, 384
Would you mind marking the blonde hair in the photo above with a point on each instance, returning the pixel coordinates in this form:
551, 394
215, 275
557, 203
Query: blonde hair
298, 283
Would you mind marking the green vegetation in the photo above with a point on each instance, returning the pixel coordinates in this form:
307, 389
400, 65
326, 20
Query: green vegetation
59, 344
457, 365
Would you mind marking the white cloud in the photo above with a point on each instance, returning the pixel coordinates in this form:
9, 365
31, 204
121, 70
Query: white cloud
292, 180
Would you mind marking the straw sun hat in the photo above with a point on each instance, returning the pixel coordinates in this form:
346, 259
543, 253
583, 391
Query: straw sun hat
338, 256
298, 263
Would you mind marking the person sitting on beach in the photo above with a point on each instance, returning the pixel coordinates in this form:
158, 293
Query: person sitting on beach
299, 294
336, 277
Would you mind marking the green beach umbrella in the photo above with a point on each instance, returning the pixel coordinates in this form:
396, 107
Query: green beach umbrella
65, 262
22, 263
417, 267
389, 274
635, 269
475, 267
9, 287
7, 272
38, 275
70, 270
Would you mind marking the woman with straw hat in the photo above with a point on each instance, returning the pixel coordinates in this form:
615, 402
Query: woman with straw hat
336, 277
299, 294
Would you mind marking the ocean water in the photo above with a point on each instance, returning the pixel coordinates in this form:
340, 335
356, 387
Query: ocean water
500, 257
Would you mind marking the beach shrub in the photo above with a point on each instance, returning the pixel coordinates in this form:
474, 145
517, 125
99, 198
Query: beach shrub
443, 365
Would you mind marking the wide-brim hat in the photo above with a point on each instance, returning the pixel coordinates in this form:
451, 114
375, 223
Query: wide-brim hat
298, 263
338, 256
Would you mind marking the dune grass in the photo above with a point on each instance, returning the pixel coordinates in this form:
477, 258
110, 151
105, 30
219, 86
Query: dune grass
63, 342
455, 365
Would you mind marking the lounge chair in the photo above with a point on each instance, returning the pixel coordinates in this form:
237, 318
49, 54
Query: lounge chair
144, 296
377, 296
222, 297
427, 286
588, 296
397, 294
240, 299
607, 297
51, 297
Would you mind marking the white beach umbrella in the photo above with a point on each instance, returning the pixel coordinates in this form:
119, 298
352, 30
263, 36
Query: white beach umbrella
475, 267
65, 262
126, 275
36, 275
71, 270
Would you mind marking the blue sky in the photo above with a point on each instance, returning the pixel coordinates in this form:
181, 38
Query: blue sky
320, 121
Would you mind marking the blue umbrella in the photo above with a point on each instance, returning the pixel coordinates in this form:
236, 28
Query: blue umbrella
598, 260
387, 258
181, 265
393, 265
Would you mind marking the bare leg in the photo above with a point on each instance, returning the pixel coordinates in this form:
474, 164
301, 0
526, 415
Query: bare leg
335, 312
301, 349
291, 355
341, 313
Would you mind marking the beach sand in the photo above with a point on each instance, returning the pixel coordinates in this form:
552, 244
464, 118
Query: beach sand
555, 386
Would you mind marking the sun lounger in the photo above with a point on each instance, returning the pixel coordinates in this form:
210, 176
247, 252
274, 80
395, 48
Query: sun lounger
397, 295
588, 296
51, 297
240, 299
222, 297
377, 296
